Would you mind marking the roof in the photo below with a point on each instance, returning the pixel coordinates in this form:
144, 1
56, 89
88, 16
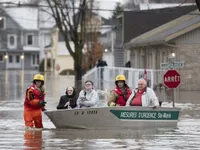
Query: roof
167, 31
139, 22
145, 6
28, 18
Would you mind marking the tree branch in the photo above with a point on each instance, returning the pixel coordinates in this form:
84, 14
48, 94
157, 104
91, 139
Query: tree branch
82, 21
60, 21
66, 18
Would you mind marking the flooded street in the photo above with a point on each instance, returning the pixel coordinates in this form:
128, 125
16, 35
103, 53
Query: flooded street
13, 136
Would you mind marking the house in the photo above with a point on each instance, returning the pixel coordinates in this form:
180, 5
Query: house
22, 41
134, 23
179, 36
63, 59
107, 39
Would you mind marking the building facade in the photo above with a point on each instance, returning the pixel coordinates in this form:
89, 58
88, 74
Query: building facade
21, 41
179, 36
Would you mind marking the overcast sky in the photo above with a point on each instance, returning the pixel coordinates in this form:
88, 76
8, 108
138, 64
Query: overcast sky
107, 4
103, 4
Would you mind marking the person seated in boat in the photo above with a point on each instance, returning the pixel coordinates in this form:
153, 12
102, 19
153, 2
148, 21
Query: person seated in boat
121, 93
88, 97
68, 101
143, 96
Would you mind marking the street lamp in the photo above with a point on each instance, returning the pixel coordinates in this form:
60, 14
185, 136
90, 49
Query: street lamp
22, 62
173, 55
22, 56
6, 56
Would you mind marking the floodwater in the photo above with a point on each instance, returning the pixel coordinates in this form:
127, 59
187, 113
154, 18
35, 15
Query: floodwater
13, 136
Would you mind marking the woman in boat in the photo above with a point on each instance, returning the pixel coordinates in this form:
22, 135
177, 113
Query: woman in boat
68, 100
34, 103
143, 96
121, 93
88, 97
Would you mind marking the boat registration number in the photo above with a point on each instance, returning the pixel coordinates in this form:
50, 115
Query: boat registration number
89, 112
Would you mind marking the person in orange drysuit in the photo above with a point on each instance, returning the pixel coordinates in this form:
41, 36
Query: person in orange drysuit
34, 103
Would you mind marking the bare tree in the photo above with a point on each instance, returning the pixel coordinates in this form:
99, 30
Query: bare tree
81, 26
118, 10
94, 50
71, 22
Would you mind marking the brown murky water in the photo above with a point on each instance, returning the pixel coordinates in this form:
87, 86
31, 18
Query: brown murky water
13, 136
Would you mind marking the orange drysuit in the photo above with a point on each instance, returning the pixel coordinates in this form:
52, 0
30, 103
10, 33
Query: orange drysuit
32, 109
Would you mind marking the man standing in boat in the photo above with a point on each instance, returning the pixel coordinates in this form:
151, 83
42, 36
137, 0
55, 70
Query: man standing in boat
143, 96
34, 103
121, 93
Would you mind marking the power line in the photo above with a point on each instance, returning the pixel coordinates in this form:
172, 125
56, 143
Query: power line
78, 8
96, 9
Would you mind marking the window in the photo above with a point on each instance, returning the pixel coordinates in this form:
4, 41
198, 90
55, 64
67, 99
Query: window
12, 41
35, 60
17, 59
10, 60
1, 58
38, 59
2, 22
30, 40
133, 62
0, 41
150, 61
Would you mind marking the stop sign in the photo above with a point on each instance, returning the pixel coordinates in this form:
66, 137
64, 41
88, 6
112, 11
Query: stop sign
172, 79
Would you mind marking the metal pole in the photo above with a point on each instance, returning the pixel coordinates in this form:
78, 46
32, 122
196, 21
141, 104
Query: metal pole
173, 100
52, 65
45, 62
112, 41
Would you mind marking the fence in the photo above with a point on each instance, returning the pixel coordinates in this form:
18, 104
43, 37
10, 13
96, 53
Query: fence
104, 79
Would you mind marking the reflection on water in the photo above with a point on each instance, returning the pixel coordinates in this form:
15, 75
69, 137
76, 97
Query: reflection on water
13, 136
33, 139
185, 137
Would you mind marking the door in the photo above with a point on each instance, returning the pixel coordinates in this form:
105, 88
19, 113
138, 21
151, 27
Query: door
14, 61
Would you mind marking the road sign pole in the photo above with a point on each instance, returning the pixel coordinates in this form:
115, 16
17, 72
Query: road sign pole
173, 100
172, 80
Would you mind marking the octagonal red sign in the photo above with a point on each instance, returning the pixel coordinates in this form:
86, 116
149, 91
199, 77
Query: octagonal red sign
172, 79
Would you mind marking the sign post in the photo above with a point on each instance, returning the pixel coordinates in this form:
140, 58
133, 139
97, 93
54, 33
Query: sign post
172, 78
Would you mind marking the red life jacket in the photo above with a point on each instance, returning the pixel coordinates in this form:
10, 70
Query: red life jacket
37, 95
121, 100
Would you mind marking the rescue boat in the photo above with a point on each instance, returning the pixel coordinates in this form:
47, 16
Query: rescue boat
115, 117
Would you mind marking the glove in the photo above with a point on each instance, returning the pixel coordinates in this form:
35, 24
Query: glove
43, 109
112, 104
83, 98
42, 103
